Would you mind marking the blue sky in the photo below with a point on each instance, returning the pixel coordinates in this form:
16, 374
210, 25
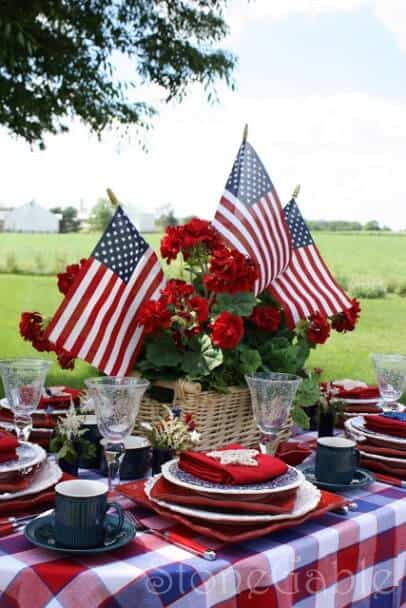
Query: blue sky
320, 82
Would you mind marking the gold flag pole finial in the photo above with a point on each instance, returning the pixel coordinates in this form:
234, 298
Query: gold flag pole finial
245, 133
296, 192
112, 197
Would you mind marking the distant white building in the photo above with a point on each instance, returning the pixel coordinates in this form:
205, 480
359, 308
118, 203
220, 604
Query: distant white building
31, 218
143, 221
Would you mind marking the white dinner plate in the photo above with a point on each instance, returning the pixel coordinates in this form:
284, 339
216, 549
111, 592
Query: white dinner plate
349, 401
28, 455
289, 481
356, 426
9, 426
307, 499
46, 476
43, 411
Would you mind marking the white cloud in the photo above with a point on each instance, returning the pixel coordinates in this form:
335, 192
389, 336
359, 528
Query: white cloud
391, 13
347, 151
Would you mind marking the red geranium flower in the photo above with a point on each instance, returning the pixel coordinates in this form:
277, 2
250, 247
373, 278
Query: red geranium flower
171, 243
201, 307
347, 320
153, 315
67, 278
42, 344
227, 330
176, 291
65, 360
319, 329
266, 317
231, 272
30, 325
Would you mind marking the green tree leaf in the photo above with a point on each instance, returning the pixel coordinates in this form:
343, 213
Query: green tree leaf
237, 304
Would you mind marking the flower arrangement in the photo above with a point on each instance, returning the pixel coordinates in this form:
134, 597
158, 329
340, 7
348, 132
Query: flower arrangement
212, 329
173, 432
68, 442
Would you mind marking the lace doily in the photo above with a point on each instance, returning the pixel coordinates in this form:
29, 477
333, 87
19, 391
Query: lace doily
243, 456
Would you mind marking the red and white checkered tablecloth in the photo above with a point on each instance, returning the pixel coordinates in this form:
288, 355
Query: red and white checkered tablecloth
335, 561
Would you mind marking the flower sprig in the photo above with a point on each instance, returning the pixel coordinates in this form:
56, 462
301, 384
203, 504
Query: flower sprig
175, 431
68, 442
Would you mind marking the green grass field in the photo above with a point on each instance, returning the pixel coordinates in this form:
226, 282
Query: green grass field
356, 257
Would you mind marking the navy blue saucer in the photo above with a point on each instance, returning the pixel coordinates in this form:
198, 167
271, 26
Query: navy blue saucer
361, 479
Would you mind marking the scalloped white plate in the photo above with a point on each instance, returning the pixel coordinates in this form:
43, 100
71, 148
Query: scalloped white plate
43, 412
28, 455
356, 426
49, 474
307, 499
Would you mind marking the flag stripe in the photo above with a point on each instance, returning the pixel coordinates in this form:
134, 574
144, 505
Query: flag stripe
101, 331
143, 290
281, 230
328, 279
233, 211
98, 320
331, 302
307, 278
269, 245
70, 304
96, 293
106, 347
133, 332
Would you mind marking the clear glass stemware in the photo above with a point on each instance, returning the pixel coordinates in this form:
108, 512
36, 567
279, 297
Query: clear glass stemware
272, 395
23, 381
117, 401
390, 370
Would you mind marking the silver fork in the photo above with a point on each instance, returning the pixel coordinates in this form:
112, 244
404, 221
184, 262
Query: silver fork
208, 554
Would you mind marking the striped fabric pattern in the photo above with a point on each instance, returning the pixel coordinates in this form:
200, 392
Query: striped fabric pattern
97, 319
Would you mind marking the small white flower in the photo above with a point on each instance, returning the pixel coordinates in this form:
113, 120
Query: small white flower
146, 425
195, 436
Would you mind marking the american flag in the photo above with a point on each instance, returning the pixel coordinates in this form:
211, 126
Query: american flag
306, 285
97, 319
250, 217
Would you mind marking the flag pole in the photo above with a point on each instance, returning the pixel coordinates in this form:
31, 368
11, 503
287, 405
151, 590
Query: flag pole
296, 192
112, 198
245, 134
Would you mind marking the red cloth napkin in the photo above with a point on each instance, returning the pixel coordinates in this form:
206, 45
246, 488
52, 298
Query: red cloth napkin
34, 503
390, 469
293, 452
8, 446
43, 421
366, 446
61, 401
390, 426
15, 483
366, 392
164, 490
233, 533
363, 408
203, 466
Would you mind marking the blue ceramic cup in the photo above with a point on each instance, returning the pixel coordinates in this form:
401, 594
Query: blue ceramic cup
337, 459
80, 512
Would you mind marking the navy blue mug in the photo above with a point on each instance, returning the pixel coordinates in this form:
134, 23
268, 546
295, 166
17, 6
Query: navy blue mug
337, 459
80, 514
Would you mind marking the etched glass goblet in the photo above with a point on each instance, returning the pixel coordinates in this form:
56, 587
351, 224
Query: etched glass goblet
23, 381
272, 395
117, 402
390, 370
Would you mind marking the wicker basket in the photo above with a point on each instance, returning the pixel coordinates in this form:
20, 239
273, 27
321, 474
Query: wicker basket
220, 418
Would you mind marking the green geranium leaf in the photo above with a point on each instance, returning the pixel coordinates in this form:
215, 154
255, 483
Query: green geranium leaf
300, 417
308, 392
250, 361
237, 304
203, 358
163, 352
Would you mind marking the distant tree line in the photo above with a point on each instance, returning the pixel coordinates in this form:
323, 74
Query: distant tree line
344, 226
